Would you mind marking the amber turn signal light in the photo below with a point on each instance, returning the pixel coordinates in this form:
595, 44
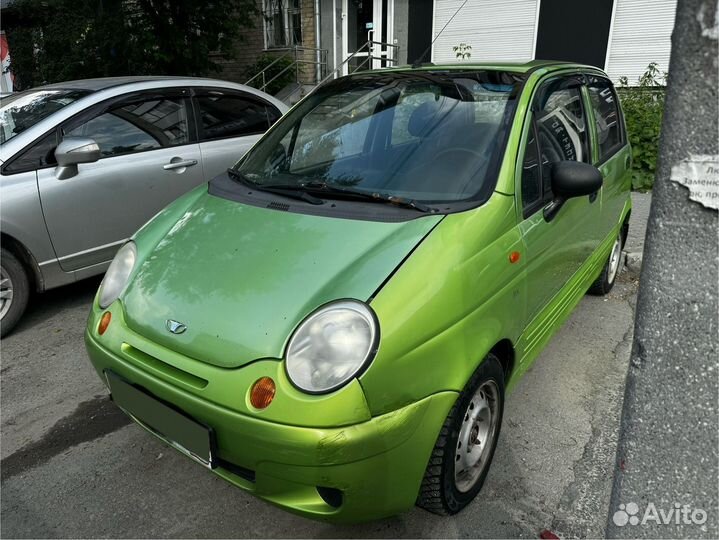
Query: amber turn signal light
104, 322
262, 393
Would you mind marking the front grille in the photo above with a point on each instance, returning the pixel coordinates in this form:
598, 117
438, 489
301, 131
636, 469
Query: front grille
151, 363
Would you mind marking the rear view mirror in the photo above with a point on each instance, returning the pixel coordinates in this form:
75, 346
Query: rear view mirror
571, 179
73, 151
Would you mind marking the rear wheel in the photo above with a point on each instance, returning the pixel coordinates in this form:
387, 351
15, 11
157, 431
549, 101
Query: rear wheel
606, 279
14, 291
464, 449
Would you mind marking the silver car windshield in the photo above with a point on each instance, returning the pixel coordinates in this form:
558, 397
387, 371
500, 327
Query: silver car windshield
421, 136
25, 109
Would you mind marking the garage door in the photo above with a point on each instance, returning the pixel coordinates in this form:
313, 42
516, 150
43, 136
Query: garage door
495, 30
641, 33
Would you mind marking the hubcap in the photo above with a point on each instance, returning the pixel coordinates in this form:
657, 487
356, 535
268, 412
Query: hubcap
476, 436
614, 259
5, 292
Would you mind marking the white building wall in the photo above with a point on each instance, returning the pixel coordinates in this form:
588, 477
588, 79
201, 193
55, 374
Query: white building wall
640, 34
503, 30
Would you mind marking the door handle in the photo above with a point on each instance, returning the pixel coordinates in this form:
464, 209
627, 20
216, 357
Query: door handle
181, 163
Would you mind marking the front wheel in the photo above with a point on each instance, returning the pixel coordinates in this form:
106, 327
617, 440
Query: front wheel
14, 291
464, 449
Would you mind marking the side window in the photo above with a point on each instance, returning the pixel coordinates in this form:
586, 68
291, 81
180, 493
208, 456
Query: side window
39, 155
606, 115
532, 196
273, 114
561, 124
137, 125
230, 115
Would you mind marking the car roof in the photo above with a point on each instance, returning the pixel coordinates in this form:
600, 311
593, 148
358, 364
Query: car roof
516, 67
94, 85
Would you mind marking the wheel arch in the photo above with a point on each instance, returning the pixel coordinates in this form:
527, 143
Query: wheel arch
625, 227
504, 350
26, 258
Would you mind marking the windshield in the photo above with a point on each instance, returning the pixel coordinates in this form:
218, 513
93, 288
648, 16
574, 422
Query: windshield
423, 136
21, 111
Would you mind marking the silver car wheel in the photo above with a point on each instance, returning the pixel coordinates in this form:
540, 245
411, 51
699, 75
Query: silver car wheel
6, 292
614, 259
476, 436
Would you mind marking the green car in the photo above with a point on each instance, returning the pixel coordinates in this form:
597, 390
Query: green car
334, 324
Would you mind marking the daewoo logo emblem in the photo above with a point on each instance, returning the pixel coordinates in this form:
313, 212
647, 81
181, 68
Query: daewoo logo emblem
175, 327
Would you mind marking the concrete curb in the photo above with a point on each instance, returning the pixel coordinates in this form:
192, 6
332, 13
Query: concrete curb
633, 262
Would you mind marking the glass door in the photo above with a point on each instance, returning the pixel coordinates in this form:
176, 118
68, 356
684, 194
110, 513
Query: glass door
365, 28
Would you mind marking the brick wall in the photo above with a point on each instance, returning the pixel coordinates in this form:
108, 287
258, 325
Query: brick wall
245, 52
252, 45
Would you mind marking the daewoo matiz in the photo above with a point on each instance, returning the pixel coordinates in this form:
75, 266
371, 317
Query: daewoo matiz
334, 323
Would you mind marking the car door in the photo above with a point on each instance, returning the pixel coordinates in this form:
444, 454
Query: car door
229, 123
556, 130
148, 159
610, 141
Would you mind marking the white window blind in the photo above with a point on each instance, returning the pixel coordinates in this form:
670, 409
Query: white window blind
641, 33
495, 30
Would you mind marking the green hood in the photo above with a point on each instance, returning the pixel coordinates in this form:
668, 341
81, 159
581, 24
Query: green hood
241, 277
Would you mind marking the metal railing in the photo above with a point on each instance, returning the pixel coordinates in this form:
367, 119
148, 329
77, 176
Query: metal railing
298, 56
368, 55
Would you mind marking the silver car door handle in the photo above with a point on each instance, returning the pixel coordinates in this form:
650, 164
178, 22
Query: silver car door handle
179, 164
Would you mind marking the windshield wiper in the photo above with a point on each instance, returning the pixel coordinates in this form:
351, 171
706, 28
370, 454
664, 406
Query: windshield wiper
328, 189
292, 192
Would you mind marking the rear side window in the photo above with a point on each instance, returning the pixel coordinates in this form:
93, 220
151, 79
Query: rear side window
137, 125
225, 115
606, 115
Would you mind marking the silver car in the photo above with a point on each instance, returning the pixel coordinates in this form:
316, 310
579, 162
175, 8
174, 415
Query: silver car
84, 164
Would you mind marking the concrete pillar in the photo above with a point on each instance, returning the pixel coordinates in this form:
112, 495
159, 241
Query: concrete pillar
669, 439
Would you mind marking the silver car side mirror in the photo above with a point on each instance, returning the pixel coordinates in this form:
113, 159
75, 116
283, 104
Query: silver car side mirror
72, 151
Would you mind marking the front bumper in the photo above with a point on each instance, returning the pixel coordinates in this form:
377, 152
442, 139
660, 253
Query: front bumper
377, 464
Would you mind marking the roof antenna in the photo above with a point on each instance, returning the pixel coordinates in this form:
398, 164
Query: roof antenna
417, 63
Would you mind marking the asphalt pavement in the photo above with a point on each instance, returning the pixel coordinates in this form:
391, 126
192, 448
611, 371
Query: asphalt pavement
74, 466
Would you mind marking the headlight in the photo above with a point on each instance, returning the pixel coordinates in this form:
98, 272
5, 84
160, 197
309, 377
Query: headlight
332, 346
116, 276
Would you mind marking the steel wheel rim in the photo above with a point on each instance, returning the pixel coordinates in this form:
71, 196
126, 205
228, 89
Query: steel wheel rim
614, 259
476, 436
6, 292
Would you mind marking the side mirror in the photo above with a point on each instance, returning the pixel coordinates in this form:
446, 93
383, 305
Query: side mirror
571, 179
73, 151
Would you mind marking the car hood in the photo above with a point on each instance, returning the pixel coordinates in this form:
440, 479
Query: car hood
241, 278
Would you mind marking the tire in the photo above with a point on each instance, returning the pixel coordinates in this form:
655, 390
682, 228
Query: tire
14, 291
606, 279
445, 490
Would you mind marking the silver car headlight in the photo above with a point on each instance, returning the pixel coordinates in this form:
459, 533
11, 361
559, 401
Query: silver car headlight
331, 346
115, 280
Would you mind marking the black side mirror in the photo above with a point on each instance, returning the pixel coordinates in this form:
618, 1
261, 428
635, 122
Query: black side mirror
571, 179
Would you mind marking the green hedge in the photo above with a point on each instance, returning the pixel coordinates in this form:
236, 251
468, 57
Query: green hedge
280, 71
643, 107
